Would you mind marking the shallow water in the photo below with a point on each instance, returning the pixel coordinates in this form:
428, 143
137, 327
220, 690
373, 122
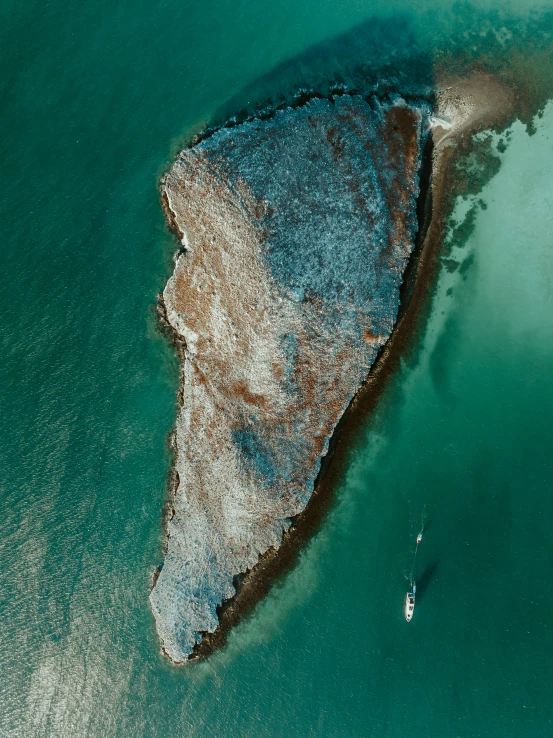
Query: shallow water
94, 103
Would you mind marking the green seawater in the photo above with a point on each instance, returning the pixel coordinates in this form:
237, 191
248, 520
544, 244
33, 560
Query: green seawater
95, 99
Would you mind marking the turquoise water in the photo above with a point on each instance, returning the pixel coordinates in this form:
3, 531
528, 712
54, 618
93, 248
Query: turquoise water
95, 100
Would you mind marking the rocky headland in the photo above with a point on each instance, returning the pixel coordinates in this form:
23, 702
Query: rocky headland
296, 231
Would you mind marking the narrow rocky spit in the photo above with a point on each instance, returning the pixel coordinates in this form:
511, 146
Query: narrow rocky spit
296, 231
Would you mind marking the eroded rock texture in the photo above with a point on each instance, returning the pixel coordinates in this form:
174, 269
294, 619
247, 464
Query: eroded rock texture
297, 231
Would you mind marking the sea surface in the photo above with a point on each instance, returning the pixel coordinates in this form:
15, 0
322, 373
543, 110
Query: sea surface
95, 99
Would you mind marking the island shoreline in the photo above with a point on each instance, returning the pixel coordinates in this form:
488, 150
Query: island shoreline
434, 204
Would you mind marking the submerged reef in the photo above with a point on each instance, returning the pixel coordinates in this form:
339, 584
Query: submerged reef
296, 231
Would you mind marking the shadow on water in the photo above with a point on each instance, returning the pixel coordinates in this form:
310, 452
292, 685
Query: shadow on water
424, 580
378, 55
387, 55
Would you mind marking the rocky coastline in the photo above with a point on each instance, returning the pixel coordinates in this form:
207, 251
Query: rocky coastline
249, 578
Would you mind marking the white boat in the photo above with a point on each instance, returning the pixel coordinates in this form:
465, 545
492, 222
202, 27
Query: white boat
409, 604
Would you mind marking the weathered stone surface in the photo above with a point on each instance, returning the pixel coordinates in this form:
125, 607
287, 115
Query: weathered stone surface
297, 231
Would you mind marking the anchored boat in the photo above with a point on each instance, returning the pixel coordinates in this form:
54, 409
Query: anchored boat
409, 604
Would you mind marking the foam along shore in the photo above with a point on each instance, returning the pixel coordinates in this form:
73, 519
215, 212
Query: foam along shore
298, 234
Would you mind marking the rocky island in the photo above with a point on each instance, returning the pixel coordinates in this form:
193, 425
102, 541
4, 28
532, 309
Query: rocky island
296, 231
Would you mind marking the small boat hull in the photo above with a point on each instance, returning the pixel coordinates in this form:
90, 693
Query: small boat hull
409, 606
